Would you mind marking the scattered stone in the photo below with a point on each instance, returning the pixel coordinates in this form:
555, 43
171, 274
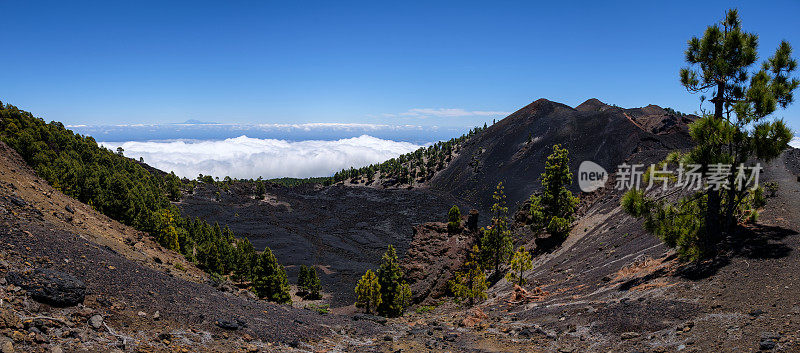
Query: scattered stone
629, 335
521, 295
535, 330
766, 344
56, 349
474, 317
431, 344
69, 209
142, 314
768, 340
227, 324
96, 321
6, 346
367, 317
18, 336
8, 319
50, 287
17, 201
40, 338
156, 315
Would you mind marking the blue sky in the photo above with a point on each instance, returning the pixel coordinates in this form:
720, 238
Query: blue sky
426, 63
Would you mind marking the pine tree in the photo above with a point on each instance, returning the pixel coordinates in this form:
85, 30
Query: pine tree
554, 210
520, 263
390, 277
245, 257
172, 186
313, 284
270, 280
368, 292
496, 243
735, 133
470, 282
302, 280
261, 190
167, 234
308, 282
404, 295
453, 219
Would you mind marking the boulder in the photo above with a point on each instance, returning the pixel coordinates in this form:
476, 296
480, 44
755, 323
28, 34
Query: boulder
474, 317
96, 321
51, 287
768, 341
6, 346
522, 296
231, 323
227, 324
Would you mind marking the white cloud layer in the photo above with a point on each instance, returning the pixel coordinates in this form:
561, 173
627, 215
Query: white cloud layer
244, 157
795, 142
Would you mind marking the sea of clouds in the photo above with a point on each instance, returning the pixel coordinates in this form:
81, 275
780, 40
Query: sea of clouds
795, 142
246, 157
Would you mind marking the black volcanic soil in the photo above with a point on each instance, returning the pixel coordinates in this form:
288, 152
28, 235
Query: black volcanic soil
593, 131
613, 287
342, 230
348, 228
146, 294
610, 286
112, 278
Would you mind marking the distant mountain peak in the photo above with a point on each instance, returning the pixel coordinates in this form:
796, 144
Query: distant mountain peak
592, 104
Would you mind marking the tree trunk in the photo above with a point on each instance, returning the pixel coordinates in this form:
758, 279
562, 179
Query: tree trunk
718, 100
714, 211
713, 229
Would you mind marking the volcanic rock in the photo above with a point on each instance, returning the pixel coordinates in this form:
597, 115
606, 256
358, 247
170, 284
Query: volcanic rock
50, 287
432, 258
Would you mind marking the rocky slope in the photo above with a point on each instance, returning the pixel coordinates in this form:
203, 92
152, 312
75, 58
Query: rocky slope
72, 280
514, 149
342, 230
345, 229
613, 287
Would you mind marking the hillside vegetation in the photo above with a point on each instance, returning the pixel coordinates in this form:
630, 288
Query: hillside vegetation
126, 191
410, 168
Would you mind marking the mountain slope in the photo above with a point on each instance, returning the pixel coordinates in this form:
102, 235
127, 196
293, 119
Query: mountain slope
149, 297
344, 229
613, 287
513, 150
